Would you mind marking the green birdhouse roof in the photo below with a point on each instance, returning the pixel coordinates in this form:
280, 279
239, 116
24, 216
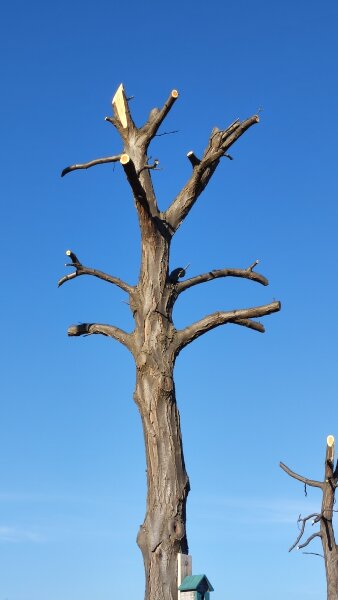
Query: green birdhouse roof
196, 582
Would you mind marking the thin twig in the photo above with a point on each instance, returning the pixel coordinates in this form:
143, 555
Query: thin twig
166, 133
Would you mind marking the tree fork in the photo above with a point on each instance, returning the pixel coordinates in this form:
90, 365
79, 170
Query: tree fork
155, 343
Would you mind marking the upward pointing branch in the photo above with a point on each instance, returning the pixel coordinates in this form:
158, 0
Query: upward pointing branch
219, 143
80, 269
157, 117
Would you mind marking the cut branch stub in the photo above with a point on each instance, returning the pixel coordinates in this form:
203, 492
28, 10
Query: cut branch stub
330, 448
73, 257
195, 161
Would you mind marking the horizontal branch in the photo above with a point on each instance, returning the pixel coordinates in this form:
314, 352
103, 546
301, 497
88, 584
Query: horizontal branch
219, 142
239, 317
310, 482
82, 270
217, 273
91, 163
96, 328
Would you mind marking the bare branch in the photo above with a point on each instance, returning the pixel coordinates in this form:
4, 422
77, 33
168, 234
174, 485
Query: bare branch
132, 176
303, 521
157, 116
255, 325
82, 270
92, 163
167, 133
94, 328
239, 317
217, 273
310, 482
314, 535
219, 143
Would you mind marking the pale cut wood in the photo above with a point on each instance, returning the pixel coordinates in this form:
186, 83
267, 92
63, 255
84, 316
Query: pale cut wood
187, 595
184, 568
119, 106
125, 158
330, 448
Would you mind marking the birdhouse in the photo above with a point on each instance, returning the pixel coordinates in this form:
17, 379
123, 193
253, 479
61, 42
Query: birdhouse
195, 587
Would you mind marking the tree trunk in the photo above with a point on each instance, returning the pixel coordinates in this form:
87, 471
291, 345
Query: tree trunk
326, 525
162, 535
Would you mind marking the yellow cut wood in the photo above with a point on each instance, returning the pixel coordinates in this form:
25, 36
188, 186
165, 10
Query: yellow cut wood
119, 105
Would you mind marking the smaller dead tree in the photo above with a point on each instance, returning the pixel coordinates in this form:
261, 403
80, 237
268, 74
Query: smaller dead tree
324, 518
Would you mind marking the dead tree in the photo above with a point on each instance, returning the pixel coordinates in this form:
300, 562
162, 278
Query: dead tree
155, 342
324, 518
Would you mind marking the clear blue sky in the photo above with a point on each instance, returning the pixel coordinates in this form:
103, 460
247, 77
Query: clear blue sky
72, 477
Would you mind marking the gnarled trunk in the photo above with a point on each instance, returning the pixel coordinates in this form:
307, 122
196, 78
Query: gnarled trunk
162, 534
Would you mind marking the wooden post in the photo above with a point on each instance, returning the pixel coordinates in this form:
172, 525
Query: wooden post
184, 568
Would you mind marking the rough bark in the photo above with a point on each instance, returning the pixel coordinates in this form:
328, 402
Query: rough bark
325, 518
155, 343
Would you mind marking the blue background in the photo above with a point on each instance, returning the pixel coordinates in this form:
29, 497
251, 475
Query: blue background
72, 469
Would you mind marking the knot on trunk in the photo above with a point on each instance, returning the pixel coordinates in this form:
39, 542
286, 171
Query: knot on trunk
176, 529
